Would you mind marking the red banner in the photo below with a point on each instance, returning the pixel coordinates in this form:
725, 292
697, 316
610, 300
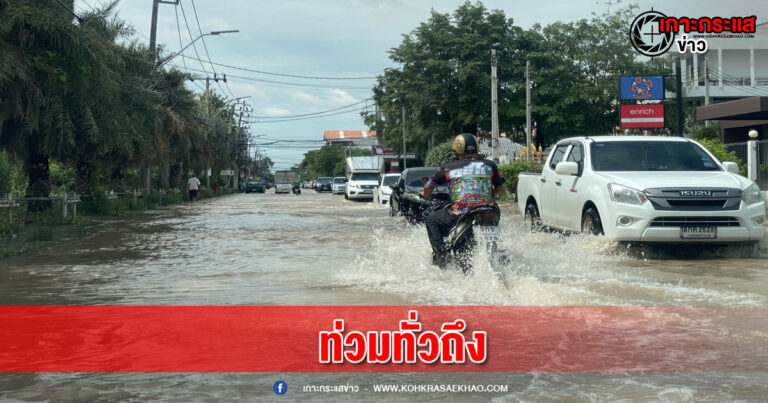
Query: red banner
291, 339
642, 116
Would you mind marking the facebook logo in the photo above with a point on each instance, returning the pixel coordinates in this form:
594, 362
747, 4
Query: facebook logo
280, 387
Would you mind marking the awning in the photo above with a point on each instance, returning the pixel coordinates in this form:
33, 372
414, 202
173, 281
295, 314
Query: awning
754, 108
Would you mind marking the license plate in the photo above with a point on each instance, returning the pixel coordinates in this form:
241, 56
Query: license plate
368, 191
698, 232
489, 233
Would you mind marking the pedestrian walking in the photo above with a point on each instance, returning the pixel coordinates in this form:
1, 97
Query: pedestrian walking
193, 186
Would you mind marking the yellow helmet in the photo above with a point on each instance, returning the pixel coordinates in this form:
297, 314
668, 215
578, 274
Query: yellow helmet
464, 143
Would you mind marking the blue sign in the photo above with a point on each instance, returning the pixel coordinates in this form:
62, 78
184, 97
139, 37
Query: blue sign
641, 88
280, 387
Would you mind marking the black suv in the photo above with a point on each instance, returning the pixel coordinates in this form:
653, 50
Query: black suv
323, 184
255, 186
405, 198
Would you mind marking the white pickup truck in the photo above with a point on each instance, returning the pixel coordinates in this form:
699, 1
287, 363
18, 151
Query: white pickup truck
642, 189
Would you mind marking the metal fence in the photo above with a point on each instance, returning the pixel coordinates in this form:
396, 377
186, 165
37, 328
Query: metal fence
740, 149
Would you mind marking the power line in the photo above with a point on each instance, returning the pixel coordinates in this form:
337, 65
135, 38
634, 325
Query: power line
70, 11
746, 88
308, 117
205, 47
181, 45
312, 114
288, 75
189, 32
289, 84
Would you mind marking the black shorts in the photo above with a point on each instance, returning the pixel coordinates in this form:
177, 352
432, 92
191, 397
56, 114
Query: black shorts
193, 194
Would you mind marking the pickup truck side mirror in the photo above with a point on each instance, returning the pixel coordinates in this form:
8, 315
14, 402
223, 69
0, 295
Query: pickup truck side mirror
731, 167
567, 168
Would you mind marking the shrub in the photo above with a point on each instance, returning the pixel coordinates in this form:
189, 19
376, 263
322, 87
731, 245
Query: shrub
720, 151
512, 170
439, 155
706, 133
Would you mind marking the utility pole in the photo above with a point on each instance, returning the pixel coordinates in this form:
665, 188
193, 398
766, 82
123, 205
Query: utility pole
528, 111
706, 84
404, 152
207, 104
153, 27
207, 117
234, 171
153, 55
679, 77
153, 31
494, 110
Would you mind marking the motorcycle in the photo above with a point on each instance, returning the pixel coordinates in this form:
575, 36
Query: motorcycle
296, 190
480, 224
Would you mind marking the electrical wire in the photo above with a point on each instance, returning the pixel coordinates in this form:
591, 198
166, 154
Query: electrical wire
70, 11
307, 117
312, 114
289, 84
181, 44
205, 47
288, 75
746, 88
189, 32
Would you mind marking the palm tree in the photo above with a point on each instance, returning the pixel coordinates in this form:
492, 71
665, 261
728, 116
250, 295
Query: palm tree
48, 63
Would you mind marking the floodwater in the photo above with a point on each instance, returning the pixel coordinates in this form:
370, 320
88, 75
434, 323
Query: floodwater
318, 249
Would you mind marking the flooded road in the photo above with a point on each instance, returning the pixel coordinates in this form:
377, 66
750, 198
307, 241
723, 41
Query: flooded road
318, 249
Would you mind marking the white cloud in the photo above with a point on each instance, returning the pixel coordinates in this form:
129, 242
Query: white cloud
301, 96
217, 24
274, 112
332, 98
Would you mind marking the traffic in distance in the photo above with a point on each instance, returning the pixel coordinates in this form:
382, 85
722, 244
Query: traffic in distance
642, 189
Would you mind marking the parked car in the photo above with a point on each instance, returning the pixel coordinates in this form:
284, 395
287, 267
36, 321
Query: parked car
255, 186
323, 184
642, 189
405, 199
338, 185
383, 191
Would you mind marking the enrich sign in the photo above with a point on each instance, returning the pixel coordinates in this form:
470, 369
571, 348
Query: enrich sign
634, 88
642, 116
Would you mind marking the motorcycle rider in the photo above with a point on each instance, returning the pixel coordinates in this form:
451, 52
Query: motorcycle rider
473, 183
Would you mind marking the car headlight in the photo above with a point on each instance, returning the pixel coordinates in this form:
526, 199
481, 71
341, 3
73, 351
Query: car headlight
623, 194
752, 194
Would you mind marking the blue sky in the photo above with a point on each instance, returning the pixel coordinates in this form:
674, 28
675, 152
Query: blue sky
340, 38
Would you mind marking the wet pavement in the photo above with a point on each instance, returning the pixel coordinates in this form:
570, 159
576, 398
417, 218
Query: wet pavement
318, 249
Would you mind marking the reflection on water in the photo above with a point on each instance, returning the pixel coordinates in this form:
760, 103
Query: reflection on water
320, 249
317, 249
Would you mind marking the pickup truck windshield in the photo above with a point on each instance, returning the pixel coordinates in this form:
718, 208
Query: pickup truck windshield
365, 177
650, 156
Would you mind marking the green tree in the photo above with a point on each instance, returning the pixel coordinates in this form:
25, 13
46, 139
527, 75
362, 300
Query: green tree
443, 81
439, 155
443, 76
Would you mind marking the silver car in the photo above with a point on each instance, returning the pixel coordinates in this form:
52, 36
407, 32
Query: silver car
339, 185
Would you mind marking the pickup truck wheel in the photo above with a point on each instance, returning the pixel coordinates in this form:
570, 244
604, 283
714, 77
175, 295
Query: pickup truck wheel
532, 216
590, 222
